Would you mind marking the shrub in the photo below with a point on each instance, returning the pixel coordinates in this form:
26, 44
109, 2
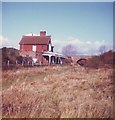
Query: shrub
104, 60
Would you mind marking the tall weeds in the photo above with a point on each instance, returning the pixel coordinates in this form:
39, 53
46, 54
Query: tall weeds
58, 92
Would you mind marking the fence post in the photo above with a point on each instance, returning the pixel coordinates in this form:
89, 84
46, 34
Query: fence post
32, 63
8, 63
40, 63
28, 63
22, 63
16, 62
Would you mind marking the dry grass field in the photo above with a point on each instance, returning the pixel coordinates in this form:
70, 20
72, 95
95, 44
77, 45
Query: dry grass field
57, 92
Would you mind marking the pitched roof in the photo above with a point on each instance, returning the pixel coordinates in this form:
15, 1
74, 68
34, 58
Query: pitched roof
35, 40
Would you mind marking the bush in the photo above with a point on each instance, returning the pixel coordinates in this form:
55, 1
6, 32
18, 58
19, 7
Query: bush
104, 60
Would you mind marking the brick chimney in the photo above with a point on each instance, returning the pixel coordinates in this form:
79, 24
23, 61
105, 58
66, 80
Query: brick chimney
42, 33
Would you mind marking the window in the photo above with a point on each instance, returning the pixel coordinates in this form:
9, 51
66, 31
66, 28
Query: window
49, 47
34, 48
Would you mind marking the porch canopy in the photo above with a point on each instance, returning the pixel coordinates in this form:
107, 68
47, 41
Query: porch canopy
55, 55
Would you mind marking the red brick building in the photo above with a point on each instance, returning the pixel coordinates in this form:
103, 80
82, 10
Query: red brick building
34, 46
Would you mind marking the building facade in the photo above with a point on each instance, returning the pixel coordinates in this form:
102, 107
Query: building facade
34, 46
36, 43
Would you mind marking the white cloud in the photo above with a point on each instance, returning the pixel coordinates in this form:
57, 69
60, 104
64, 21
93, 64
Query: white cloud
5, 42
83, 47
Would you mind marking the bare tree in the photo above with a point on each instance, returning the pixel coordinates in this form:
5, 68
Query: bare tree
69, 50
102, 49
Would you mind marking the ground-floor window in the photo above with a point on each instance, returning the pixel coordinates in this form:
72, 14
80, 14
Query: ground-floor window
34, 48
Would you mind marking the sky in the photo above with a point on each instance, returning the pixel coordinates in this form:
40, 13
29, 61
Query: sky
85, 25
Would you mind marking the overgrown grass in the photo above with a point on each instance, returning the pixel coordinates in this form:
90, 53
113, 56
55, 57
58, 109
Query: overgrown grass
58, 92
